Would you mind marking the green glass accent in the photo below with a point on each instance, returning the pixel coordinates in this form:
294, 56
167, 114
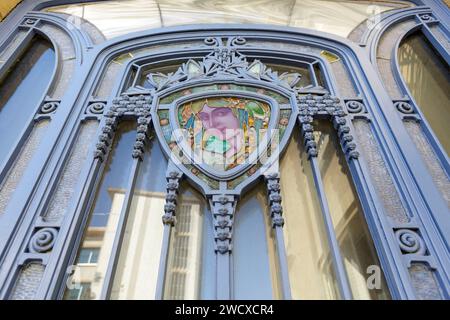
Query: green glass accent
171, 98
178, 94
214, 144
235, 182
193, 68
255, 109
256, 68
163, 114
278, 97
204, 88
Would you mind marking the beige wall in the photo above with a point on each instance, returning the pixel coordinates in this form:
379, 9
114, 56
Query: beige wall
6, 6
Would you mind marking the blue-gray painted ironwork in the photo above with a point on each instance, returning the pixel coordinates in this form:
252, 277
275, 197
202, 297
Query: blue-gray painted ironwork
425, 240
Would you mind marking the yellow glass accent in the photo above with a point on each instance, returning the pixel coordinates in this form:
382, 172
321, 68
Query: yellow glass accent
307, 249
428, 79
355, 242
6, 6
123, 58
329, 56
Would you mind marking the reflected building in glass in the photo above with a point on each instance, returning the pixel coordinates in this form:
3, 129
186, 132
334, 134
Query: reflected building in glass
187, 150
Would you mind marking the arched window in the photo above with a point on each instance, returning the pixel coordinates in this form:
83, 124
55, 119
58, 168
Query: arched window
115, 18
427, 76
103, 221
224, 150
254, 260
22, 89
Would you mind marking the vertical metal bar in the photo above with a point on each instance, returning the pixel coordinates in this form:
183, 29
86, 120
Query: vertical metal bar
159, 295
274, 199
338, 264
282, 263
223, 208
312, 72
223, 278
173, 176
120, 231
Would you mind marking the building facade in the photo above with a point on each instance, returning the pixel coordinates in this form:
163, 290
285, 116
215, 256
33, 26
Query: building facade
224, 150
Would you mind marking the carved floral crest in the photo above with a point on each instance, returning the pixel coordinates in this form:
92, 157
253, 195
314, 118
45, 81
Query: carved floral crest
225, 61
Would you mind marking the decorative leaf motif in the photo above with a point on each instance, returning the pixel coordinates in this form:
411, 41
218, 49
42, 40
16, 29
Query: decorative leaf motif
256, 68
226, 61
290, 78
193, 69
157, 80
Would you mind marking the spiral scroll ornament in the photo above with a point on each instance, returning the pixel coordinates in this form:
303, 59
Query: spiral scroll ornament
410, 242
49, 107
354, 106
43, 240
97, 107
427, 17
404, 107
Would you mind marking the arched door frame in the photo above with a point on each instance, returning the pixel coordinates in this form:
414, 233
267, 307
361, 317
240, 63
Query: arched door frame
389, 134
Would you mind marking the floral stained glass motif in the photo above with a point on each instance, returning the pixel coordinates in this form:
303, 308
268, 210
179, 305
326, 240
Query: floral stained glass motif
223, 132
178, 94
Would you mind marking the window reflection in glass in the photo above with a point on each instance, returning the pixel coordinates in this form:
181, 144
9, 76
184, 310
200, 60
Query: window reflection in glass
255, 274
190, 268
81, 292
427, 76
355, 242
137, 270
88, 255
115, 18
310, 273
21, 91
103, 219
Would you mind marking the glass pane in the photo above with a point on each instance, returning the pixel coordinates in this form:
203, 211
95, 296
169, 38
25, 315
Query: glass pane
305, 79
224, 131
187, 245
22, 90
82, 292
253, 255
208, 281
166, 68
6, 7
102, 224
84, 256
88, 255
115, 18
354, 239
23, 158
307, 249
137, 270
427, 76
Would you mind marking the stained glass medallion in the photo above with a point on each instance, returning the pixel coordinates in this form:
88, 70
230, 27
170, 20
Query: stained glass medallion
222, 117
223, 131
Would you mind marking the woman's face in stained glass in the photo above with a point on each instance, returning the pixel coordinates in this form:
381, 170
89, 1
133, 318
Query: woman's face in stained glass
221, 119
221, 127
